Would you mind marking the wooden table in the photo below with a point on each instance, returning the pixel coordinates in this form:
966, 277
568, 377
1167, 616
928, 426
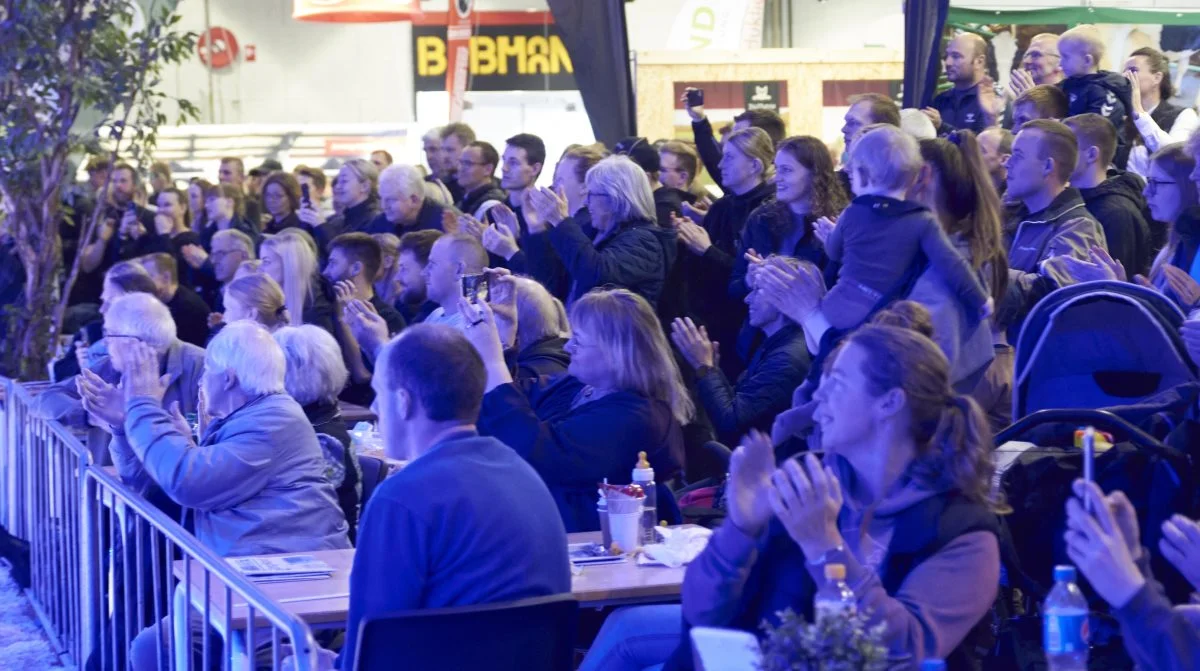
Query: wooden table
325, 603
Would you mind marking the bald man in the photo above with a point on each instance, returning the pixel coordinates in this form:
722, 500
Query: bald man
971, 102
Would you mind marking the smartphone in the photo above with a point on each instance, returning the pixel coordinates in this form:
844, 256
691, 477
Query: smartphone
695, 97
475, 288
304, 197
132, 208
1089, 460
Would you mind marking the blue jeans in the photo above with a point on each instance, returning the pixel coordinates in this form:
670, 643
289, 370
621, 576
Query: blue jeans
638, 638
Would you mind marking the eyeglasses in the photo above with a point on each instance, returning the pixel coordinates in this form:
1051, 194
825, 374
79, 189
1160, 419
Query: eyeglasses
1153, 184
121, 335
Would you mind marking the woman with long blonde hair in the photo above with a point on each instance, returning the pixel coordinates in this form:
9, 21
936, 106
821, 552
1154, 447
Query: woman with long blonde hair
291, 260
622, 394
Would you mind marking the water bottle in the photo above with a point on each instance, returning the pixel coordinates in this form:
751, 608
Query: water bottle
933, 665
644, 475
834, 597
1065, 623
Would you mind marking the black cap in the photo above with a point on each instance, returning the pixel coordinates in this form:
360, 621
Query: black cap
639, 151
268, 166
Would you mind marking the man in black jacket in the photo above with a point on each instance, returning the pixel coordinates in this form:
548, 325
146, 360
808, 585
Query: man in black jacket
1116, 202
971, 102
707, 145
476, 175
774, 370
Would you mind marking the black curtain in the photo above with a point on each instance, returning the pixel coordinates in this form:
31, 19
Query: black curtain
594, 33
924, 21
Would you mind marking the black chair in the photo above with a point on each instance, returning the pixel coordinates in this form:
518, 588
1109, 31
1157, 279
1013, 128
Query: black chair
529, 635
373, 472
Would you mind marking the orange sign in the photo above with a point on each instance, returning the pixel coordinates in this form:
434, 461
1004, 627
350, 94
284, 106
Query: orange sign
355, 11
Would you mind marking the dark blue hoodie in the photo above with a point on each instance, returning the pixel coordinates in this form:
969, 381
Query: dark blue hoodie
1104, 93
636, 255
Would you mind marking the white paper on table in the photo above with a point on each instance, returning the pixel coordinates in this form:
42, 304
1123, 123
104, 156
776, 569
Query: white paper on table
679, 546
725, 649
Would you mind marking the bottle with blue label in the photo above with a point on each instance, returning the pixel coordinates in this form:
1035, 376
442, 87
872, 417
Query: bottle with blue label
1065, 623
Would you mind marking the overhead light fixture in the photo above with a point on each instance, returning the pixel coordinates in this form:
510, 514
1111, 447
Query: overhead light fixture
355, 11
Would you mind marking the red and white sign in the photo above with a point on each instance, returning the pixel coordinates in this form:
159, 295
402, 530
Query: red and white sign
218, 48
458, 48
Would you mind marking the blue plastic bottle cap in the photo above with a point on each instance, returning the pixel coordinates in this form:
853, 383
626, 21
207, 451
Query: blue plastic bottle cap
1064, 573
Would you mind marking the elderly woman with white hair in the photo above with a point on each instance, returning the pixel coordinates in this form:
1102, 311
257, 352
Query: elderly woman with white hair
255, 481
405, 204
539, 349
630, 250
315, 376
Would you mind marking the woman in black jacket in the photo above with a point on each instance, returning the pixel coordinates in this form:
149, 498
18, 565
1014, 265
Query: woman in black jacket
281, 198
622, 395
806, 190
630, 250
747, 166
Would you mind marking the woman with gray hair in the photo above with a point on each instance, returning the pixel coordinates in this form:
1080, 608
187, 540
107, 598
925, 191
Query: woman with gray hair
629, 250
542, 328
314, 378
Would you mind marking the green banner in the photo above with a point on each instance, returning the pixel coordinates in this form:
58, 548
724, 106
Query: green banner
1072, 16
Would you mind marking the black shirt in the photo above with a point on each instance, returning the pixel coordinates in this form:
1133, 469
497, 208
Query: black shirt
190, 313
391, 316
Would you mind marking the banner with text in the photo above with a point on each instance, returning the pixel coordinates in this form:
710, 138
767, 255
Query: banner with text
501, 57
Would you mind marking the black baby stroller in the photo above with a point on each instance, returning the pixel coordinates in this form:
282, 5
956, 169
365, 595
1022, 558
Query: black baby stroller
1098, 344
1037, 461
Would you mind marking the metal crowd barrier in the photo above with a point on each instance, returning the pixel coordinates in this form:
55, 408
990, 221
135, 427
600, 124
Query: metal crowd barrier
136, 557
45, 463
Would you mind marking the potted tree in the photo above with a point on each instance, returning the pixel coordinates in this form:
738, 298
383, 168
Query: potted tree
59, 61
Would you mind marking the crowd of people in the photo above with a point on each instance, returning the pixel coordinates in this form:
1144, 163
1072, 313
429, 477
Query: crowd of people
845, 322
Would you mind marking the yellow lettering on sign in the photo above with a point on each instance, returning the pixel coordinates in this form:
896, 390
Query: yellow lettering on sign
539, 56
483, 55
560, 60
510, 47
431, 56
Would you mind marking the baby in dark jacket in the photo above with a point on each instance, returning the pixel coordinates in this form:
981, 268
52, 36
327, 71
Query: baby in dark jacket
881, 235
1090, 89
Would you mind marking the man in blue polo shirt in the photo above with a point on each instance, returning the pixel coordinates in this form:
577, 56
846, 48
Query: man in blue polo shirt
971, 102
468, 521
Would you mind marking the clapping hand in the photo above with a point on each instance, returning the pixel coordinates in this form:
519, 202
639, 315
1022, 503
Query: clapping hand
1020, 82
533, 222
693, 343
1098, 545
194, 255
550, 207
498, 240
756, 263
934, 116
807, 501
1135, 95
1180, 544
698, 211
1190, 331
795, 293
344, 292
1181, 284
692, 235
140, 377
748, 489
367, 327
471, 226
822, 228
103, 402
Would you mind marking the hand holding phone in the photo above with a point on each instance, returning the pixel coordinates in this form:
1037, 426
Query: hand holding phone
305, 198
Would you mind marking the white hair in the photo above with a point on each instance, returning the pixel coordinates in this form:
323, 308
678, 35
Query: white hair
625, 183
246, 348
436, 191
404, 179
434, 133
315, 371
914, 122
239, 238
142, 315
